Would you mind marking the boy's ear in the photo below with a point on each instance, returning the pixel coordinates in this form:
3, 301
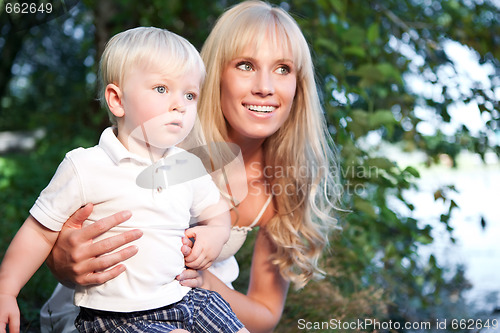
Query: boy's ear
113, 95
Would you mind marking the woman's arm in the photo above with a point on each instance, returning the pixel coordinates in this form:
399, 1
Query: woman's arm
75, 258
261, 308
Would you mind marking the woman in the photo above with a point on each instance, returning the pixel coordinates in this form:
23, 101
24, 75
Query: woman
260, 94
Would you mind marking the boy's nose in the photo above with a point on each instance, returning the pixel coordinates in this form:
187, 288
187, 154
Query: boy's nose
178, 104
179, 108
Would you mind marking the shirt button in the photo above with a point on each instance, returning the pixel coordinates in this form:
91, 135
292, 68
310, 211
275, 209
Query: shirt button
159, 189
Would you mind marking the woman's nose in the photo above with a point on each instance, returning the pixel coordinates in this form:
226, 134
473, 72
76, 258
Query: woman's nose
264, 84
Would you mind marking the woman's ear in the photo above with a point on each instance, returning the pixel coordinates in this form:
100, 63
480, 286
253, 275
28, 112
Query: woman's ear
113, 95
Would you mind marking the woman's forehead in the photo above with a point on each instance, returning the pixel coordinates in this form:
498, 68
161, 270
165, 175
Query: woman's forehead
280, 50
253, 43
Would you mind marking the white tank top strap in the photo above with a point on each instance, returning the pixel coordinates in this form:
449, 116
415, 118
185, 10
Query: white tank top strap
257, 219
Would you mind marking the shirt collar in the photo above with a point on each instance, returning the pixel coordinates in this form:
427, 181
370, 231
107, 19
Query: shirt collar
115, 149
119, 154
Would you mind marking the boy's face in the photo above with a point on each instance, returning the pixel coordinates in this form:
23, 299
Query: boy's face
160, 108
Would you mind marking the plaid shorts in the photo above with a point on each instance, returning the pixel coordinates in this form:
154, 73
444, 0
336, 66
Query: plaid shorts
199, 311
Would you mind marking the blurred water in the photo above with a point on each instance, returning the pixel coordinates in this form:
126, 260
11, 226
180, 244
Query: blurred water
477, 246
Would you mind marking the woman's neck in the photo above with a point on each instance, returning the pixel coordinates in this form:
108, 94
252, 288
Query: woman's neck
252, 150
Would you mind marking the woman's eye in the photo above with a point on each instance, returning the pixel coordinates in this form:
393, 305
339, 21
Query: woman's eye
161, 89
190, 96
283, 70
244, 66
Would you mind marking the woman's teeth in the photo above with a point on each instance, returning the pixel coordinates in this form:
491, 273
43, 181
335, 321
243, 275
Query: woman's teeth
261, 108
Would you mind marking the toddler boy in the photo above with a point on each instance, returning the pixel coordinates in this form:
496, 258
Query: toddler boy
150, 82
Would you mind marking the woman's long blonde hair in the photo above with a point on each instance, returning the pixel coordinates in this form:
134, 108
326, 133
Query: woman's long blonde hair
301, 151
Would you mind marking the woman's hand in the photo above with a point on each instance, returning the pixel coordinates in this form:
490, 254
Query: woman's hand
191, 278
76, 259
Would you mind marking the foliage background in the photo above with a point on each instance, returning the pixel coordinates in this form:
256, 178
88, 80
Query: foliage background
364, 53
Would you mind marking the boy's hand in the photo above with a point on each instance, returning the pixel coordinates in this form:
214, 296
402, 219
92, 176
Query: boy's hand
207, 246
9, 314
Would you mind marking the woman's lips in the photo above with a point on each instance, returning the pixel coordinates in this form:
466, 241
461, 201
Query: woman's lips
260, 108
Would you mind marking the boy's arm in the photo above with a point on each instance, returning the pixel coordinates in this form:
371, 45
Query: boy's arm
210, 235
25, 255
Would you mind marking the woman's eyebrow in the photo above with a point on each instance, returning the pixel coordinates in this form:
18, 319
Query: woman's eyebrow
254, 59
285, 60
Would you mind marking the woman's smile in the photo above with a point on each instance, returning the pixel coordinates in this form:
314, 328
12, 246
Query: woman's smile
261, 108
261, 111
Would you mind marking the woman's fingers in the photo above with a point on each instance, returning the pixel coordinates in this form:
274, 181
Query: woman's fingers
190, 278
76, 220
107, 245
105, 224
97, 270
103, 263
77, 258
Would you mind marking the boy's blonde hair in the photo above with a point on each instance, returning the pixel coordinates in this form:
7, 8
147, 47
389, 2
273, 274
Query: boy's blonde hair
302, 146
150, 47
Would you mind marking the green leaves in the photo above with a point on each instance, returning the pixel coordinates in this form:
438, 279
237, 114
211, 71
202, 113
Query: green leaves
373, 33
371, 74
364, 206
362, 122
369, 49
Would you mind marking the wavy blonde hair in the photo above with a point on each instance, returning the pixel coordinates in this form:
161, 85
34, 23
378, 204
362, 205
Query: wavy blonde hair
302, 146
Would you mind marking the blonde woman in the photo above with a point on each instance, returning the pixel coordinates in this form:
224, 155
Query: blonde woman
260, 94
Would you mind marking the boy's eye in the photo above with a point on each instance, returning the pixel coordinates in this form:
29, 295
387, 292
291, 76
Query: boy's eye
161, 89
190, 96
244, 66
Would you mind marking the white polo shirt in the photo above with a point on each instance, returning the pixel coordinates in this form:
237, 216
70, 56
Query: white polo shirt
113, 179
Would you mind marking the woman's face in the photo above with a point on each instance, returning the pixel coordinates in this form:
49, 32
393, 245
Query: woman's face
257, 91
